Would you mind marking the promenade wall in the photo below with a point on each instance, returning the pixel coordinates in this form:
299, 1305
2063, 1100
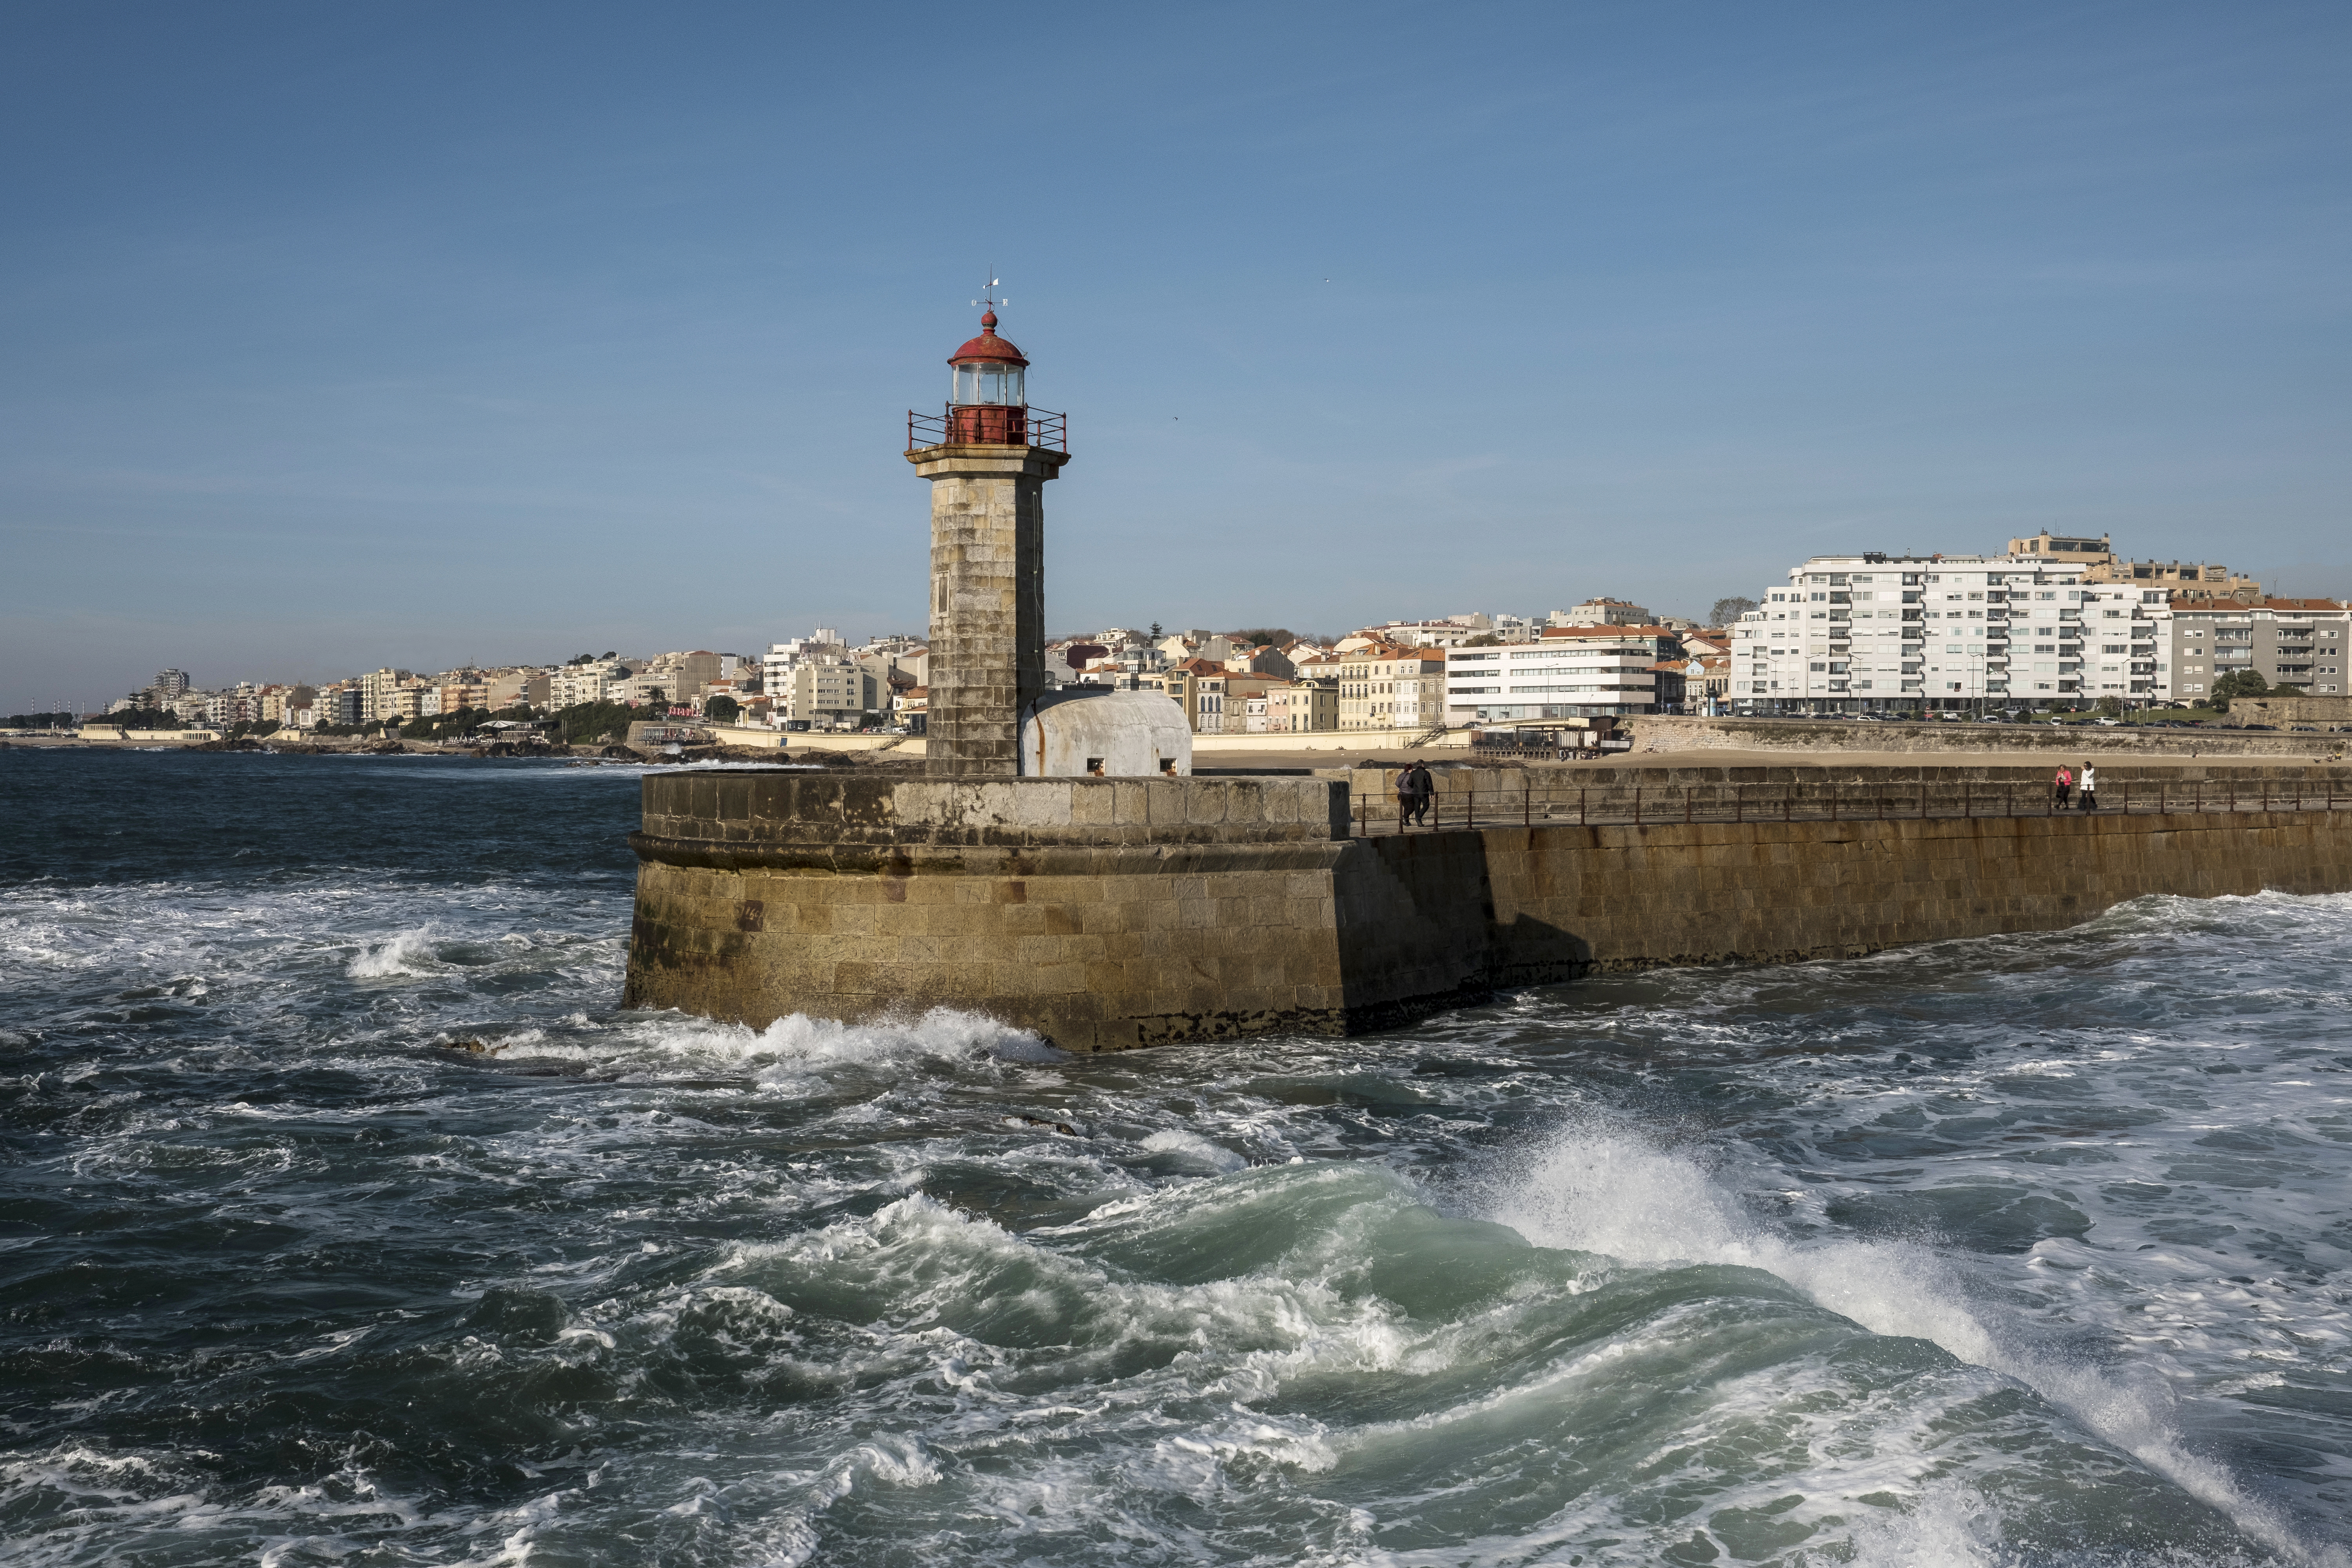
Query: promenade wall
1111, 913
1668, 732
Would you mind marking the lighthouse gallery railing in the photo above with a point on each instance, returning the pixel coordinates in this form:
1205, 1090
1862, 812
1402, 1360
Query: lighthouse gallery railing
987, 425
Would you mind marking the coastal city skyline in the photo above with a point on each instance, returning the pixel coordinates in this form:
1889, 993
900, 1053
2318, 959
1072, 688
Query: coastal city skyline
588, 354
2050, 624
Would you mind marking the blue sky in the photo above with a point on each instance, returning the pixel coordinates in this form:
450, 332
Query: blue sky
339, 336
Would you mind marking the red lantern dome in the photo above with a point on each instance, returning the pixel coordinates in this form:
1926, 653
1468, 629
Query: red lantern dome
987, 348
989, 406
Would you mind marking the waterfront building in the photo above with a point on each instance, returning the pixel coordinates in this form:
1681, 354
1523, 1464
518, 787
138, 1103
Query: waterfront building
2101, 564
1450, 632
833, 691
1604, 612
572, 685
2294, 642
1307, 703
1592, 671
1385, 686
1854, 632
376, 690
2123, 630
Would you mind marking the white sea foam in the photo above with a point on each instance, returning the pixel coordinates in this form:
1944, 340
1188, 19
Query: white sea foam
791, 1046
407, 953
1191, 1151
1601, 1188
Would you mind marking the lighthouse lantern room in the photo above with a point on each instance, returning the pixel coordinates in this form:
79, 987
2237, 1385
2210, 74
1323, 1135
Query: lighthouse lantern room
987, 406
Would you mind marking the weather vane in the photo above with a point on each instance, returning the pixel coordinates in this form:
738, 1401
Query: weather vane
990, 300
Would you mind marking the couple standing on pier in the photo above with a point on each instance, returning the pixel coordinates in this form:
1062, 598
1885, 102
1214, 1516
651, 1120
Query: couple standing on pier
2065, 783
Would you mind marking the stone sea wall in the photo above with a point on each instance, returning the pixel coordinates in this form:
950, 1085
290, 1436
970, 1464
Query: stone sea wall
1552, 903
1110, 913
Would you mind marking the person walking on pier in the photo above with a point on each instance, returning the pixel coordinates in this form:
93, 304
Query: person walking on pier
2062, 786
1421, 785
2090, 791
1405, 796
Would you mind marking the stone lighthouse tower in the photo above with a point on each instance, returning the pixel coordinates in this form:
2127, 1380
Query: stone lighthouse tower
988, 458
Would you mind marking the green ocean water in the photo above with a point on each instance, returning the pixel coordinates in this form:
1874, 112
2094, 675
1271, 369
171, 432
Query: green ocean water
2024, 1250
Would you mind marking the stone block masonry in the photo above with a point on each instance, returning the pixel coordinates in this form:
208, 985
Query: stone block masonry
988, 602
1109, 914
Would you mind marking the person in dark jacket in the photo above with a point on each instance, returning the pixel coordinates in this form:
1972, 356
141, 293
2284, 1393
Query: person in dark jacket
1423, 786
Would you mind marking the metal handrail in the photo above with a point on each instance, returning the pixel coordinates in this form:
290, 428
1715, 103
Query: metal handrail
1039, 427
1582, 804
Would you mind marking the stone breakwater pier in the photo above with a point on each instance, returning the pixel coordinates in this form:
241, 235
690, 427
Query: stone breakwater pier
1058, 868
1111, 913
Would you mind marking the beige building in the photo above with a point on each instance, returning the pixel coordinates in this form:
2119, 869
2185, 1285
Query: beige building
1384, 686
2076, 549
833, 692
1303, 706
378, 693
2100, 564
1213, 698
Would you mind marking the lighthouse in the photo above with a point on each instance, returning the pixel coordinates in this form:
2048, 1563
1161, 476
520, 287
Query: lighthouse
988, 458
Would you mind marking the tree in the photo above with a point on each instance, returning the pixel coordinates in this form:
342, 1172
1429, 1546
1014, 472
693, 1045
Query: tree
1484, 640
2111, 706
721, 710
1262, 637
2237, 683
1725, 611
1155, 631
2242, 683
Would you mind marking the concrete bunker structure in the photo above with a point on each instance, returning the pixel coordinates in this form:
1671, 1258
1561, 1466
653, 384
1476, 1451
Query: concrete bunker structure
1100, 733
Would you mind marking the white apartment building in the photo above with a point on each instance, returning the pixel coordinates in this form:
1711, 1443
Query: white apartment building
575, 684
1570, 672
1850, 632
1604, 612
2125, 629
782, 658
1445, 633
